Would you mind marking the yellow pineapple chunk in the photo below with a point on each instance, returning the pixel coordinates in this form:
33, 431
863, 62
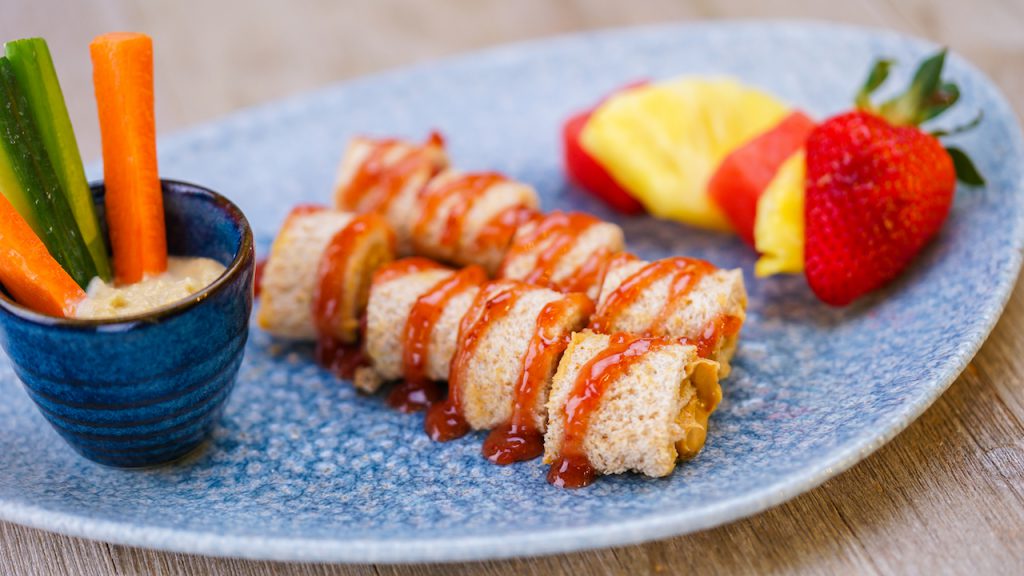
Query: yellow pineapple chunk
664, 141
779, 224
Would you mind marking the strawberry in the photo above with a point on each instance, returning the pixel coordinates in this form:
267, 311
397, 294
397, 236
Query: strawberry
878, 187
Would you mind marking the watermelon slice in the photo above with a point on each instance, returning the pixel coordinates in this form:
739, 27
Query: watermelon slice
588, 173
746, 172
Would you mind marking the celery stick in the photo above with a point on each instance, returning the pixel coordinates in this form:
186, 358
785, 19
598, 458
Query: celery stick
22, 146
33, 67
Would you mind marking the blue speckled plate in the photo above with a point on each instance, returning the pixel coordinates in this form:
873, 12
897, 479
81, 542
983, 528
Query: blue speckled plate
303, 468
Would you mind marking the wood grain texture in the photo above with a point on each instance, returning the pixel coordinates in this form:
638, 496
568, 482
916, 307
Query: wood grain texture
946, 496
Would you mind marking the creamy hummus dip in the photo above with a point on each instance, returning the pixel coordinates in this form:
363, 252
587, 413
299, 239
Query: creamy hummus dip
183, 278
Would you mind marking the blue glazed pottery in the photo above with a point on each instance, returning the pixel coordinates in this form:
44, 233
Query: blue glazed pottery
145, 389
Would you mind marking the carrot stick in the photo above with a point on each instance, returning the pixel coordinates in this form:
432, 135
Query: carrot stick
28, 271
123, 80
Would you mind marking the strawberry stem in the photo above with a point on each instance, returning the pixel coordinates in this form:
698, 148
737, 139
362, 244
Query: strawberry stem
925, 98
940, 100
879, 73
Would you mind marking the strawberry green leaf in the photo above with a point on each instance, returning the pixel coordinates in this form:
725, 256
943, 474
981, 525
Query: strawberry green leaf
879, 72
927, 96
966, 172
960, 129
940, 101
929, 75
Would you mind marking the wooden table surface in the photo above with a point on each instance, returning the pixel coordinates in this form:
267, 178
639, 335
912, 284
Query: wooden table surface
946, 496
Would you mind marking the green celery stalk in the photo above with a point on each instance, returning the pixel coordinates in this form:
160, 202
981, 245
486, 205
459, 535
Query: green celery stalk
33, 67
25, 154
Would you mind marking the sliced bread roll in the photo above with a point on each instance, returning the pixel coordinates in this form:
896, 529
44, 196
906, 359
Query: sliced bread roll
322, 259
626, 403
491, 373
386, 176
566, 251
393, 294
469, 217
675, 297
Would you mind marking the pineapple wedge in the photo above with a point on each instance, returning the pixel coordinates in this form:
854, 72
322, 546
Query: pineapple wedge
779, 224
664, 141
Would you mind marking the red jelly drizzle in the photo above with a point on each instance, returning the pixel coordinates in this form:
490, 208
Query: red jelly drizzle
340, 358
335, 350
716, 330
466, 189
369, 174
377, 181
572, 469
611, 261
414, 395
329, 308
590, 273
561, 229
498, 232
558, 233
444, 420
404, 267
685, 273
417, 392
257, 278
520, 439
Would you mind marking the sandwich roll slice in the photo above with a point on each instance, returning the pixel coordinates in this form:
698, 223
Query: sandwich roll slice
520, 436
467, 218
678, 297
386, 176
622, 403
565, 251
510, 342
317, 277
412, 321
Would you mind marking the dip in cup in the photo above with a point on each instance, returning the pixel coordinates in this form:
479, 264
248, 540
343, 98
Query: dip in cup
145, 389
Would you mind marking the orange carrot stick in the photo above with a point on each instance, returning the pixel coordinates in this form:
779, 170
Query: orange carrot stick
123, 79
29, 272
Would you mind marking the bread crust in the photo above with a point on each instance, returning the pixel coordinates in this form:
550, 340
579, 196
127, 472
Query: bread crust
390, 303
466, 249
641, 418
719, 294
492, 373
291, 274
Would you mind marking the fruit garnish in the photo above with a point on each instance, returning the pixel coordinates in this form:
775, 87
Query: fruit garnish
745, 173
587, 172
779, 224
879, 188
926, 98
663, 142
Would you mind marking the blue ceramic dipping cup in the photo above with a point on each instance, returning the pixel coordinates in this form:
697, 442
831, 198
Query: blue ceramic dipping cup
146, 389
